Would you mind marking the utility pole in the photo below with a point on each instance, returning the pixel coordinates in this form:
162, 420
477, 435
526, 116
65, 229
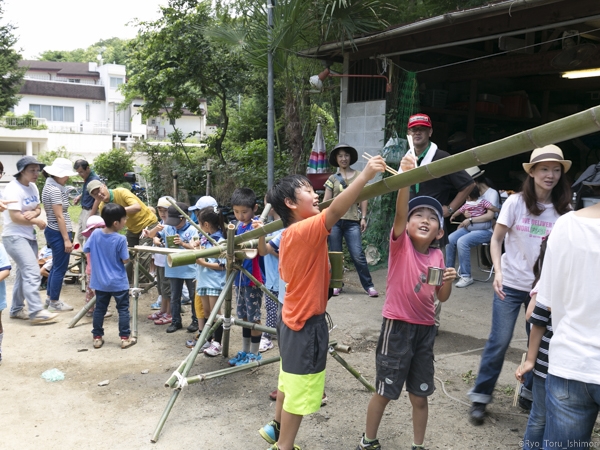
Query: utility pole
271, 101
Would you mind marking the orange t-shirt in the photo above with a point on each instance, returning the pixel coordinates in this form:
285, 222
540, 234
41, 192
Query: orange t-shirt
304, 268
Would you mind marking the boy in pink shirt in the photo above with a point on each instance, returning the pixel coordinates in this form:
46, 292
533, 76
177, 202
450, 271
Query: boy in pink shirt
405, 347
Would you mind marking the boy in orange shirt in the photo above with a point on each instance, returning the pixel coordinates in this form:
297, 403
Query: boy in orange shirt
304, 268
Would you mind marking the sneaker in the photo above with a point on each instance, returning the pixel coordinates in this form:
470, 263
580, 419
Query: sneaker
127, 341
324, 399
165, 319
214, 349
43, 316
525, 403
275, 447
186, 301
270, 432
336, 291
58, 306
20, 314
477, 413
98, 341
205, 345
372, 292
464, 282
265, 344
174, 327
193, 327
250, 357
156, 304
190, 343
373, 445
240, 356
155, 316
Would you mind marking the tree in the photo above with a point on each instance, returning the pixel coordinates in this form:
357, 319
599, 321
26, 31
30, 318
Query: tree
113, 164
173, 64
113, 50
11, 75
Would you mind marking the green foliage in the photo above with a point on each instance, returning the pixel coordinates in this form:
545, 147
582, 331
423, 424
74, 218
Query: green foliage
113, 50
414, 10
112, 165
48, 158
11, 75
25, 121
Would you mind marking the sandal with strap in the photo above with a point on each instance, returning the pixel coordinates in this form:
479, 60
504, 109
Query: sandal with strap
164, 320
155, 316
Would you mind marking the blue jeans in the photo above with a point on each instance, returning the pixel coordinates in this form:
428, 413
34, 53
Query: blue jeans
350, 231
27, 274
102, 301
504, 317
534, 433
176, 291
572, 408
60, 262
464, 240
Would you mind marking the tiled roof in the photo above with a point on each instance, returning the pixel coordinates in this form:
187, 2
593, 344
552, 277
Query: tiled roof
68, 90
61, 68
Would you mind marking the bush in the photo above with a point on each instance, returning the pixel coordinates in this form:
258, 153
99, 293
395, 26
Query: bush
112, 165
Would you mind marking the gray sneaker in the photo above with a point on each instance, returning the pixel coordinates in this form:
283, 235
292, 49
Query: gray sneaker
59, 306
20, 314
43, 316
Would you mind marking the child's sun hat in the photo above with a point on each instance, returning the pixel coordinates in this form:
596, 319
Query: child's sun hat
425, 201
91, 224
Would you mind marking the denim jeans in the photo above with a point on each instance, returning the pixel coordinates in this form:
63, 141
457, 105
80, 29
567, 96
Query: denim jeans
60, 262
102, 301
176, 291
464, 240
572, 408
534, 433
27, 274
350, 231
504, 317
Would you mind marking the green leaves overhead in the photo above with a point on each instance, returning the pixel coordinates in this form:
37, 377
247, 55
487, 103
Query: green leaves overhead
11, 76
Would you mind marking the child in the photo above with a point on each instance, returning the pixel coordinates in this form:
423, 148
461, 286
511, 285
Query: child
163, 316
540, 318
475, 207
304, 267
91, 224
4, 273
249, 296
210, 275
183, 234
405, 347
108, 252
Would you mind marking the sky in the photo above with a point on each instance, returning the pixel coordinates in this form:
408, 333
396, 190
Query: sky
70, 24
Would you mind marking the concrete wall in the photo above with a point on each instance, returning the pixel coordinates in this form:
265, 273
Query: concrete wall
361, 124
86, 146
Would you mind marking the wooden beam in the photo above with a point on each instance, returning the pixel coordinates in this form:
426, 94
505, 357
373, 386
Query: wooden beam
461, 52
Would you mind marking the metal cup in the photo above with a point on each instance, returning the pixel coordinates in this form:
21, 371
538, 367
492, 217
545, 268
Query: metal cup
435, 276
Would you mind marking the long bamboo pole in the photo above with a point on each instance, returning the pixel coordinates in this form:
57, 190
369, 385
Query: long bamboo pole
230, 370
165, 415
350, 369
173, 203
136, 284
227, 309
560, 130
258, 283
82, 312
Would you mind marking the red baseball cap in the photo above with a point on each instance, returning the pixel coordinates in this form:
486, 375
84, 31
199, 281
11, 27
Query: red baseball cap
419, 120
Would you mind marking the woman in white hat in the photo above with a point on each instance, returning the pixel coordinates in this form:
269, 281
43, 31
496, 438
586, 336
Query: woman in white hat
524, 220
59, 232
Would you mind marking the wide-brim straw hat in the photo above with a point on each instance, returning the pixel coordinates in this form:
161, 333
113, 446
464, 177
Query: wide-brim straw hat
61, 167
347, 148
475, 171
547, 153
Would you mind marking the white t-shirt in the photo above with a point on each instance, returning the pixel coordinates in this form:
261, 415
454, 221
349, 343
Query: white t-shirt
522, 241
28, 199
569, 286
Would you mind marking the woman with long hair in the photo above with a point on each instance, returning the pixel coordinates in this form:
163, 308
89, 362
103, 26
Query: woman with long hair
524, 220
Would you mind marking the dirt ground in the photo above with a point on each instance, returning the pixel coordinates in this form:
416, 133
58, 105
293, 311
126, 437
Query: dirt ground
225, 413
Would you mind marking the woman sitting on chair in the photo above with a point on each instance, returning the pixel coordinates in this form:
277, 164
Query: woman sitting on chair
475, 229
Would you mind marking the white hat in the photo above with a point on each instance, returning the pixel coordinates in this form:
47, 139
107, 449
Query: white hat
163, 203
547, 153
61, 167
204, 202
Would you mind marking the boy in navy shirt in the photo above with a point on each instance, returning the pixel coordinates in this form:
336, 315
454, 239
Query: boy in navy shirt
108, 252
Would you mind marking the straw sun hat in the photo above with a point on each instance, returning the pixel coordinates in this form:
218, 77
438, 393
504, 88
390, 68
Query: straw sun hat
547, 153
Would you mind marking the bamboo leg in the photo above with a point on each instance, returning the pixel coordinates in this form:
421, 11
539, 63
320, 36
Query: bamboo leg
227, 308
253, 326
82, 312
165, 415
136, 294
258, 283
350, 369
230, 370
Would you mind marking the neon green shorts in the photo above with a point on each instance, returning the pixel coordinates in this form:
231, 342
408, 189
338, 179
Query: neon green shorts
303, 393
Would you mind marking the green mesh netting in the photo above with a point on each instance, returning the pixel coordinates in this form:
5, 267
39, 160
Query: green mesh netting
401, 103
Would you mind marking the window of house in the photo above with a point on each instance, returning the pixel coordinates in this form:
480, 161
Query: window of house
365, 89
87, 112
74, 80
115, 82
54, 113
172, 122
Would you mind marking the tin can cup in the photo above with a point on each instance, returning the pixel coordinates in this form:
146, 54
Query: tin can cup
435, 276
171, 242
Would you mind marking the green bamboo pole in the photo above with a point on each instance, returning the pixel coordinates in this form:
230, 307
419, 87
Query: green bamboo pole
212, 252
560, 130
257, 283
165, 415
253, 326
350, 369
82, 312
227, 309
136, 284
230, 370
265, 213
172, 201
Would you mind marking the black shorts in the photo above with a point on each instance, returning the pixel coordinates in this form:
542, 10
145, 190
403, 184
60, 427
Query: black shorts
405, 355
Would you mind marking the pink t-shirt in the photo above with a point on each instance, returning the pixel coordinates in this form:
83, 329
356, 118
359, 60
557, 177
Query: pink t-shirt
408, 296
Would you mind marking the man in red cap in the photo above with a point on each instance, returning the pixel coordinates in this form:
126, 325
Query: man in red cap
459, 183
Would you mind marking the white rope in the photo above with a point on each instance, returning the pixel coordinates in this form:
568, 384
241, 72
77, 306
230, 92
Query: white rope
181, 380
226, 323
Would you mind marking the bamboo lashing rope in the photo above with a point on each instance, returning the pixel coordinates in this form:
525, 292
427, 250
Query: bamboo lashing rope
388, 168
